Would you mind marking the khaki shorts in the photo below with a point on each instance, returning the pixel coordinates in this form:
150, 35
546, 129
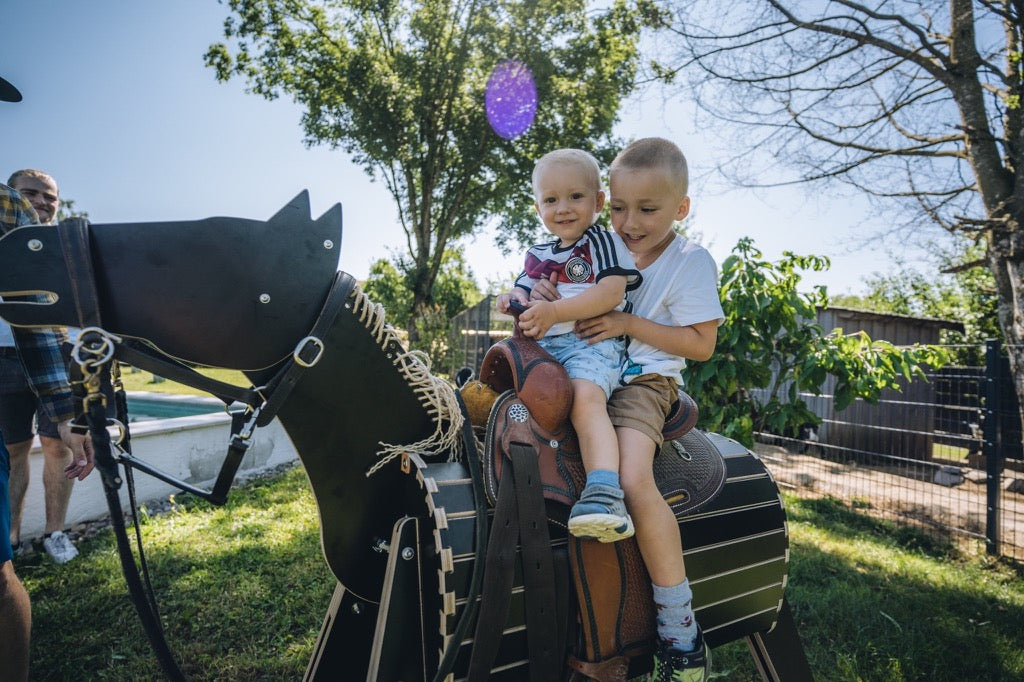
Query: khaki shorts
643, 404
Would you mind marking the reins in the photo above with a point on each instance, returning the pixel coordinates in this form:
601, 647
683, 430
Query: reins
95, 359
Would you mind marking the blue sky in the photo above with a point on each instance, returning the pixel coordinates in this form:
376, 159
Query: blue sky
120, 109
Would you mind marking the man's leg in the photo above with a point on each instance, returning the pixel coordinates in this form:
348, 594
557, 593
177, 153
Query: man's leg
15, 625
56, 486
15, 610
18, 484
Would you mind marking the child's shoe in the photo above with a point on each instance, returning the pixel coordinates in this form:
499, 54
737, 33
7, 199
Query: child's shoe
601, 514
673, 665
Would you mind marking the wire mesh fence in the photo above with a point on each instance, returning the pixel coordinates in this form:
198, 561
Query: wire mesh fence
943, 455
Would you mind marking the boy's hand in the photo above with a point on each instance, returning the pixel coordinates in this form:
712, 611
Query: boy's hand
538, 319
607, 326
516, 294
546, 289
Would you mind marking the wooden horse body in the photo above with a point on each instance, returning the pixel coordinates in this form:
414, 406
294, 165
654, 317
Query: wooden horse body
402, 533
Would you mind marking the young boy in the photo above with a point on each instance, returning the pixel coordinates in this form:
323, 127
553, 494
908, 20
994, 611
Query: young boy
676, 313
591, 270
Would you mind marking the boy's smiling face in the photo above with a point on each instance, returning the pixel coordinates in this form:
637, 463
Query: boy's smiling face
645, 204
566, 200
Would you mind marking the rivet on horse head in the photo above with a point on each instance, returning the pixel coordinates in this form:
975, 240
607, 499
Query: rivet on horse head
35, 245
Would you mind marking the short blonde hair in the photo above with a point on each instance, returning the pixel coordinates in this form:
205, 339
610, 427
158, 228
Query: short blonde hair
656, 152
585, 161
31, 173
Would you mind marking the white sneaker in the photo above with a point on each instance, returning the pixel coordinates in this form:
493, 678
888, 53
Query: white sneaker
59, 546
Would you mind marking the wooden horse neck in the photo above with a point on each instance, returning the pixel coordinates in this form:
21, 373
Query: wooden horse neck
367, 400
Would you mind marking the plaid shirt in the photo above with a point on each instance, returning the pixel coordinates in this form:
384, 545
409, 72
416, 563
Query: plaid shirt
40, 349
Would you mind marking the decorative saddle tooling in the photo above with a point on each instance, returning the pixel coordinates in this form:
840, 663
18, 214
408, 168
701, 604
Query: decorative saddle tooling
533, 473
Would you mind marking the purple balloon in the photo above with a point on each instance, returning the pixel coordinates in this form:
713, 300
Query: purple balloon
511, 99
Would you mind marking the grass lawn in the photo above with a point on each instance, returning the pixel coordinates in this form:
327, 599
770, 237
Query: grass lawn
140, 380
243, 590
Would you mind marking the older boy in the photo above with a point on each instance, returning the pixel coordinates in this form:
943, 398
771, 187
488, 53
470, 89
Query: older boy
591, 270
676, 313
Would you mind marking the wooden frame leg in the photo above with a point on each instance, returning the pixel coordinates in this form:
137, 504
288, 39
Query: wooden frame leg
779, 654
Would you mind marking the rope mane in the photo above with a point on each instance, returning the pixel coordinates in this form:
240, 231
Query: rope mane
435, 394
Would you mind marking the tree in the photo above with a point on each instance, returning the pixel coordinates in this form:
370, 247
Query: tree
401, 87
67, 209
916, 101
770, 340
455, 290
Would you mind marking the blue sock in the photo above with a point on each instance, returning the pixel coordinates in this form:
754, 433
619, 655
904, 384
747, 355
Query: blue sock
603, 477
676, 624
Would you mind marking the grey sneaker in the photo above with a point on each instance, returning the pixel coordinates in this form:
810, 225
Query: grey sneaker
59, 546
673, 665
600, 514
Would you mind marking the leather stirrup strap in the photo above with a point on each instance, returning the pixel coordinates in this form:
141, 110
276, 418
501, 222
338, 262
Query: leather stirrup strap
497, 588
538, 567
519, 516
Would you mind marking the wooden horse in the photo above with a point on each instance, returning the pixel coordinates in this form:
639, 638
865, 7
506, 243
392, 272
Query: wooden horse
381, 439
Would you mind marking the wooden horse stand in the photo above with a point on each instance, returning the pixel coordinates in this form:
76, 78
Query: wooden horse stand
404, 536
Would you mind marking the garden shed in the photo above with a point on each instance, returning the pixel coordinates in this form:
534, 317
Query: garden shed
902, 423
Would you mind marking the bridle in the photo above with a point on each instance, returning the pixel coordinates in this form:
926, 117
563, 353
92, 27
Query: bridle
96, 376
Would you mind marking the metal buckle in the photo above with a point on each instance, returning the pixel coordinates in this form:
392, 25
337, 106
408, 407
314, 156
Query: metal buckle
301, 346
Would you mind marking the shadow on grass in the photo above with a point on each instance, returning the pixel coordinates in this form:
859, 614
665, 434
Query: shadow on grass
243, 591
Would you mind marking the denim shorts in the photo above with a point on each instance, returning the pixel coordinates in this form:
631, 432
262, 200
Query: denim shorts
600, 363
19, 404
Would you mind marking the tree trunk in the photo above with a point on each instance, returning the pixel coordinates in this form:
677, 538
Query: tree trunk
1006, 259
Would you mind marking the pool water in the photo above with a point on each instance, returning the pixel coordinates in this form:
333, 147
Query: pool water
148, 406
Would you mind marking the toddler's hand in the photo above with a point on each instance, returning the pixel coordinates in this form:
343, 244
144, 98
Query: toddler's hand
538, 319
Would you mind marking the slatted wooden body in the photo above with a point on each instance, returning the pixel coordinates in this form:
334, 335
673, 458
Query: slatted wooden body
736, 557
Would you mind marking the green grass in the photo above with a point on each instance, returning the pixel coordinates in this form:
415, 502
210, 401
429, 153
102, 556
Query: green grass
144, 381
243, 591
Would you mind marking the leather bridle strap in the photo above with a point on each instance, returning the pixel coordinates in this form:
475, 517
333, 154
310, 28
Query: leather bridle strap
308, 351
77, 252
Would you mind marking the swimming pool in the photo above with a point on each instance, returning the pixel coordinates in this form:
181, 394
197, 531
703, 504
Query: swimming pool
147, 406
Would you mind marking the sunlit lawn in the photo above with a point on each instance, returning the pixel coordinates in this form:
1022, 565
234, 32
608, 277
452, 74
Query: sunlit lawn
243, 591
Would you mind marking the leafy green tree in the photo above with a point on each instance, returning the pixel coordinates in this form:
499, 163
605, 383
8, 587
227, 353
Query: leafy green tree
401, 87
67, 209
916, 103
390, 284
770, 340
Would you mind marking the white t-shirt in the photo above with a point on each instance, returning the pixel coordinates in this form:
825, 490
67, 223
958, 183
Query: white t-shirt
680, 288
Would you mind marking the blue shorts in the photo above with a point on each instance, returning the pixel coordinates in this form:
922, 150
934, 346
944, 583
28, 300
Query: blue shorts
600, 363
19, 405
5, 504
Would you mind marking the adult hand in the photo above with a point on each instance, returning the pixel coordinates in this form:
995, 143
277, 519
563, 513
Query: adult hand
546, 289
602, 327
82, 462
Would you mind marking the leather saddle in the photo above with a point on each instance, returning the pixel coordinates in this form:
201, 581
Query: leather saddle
528, 430
533, 406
